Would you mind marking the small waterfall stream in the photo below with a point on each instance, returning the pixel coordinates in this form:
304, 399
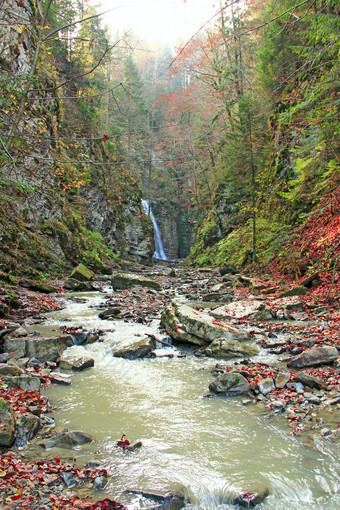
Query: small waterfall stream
159, 253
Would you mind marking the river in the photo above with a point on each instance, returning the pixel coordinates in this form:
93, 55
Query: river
207, 448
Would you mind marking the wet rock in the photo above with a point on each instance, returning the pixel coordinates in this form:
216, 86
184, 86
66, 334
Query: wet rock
24, 382
224, 348
7, 424
82, 273
140, 349
310, 381
27, 427
69, 479
134, 446
58, 378
282, 379
266, 385
123, 281
230, 384
76, 285
314, 357
19, 332
48, 348
15, 344
100, 482
109, 313
278, 406
185, 324
250, 499
163, 500
67, 439
75, 362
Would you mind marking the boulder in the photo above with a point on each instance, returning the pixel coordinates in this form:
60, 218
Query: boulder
75, 362
110, 313
25, 382
230, 383
67, 439
281, 379
266, 385
82, 273
27, 426
7, 369
185, 324
250, 308
58, 378
249, 499
7, 424
295, 291
15, 344
140, 349
224, 348
123, 281
76, 285
48, 348
310, 381
314, 357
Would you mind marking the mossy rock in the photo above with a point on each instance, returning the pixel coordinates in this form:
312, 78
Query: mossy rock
7, 424
123, 281
82, 273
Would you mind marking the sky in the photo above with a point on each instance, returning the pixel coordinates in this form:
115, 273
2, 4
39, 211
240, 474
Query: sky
165, 21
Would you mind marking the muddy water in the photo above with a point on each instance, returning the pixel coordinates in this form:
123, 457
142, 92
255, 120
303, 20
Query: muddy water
207, 447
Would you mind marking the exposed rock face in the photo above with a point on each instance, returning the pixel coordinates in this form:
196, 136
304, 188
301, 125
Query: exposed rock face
314, 357
122, 281
243, 309
49, 348
185, 324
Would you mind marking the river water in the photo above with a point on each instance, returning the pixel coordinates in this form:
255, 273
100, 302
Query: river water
208, 448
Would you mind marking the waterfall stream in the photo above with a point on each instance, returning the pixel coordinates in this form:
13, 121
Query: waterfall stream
205, 447
159, 252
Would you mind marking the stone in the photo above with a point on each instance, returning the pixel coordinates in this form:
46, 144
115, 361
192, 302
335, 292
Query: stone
17, 333
140, 349
15, 344
7, 424
44, 288
76, 285
58, 378
27, 426
230, 383
75, 362
67, 439
310, 381
7, 369
314, 357
185, 324
251, 308
48, 348
250, 499
69, 479
123, 281
278, 406
82, 273
282, 379
224, 348
99, 482
266, 385
134, 446
24, 382
109, 313
295, 291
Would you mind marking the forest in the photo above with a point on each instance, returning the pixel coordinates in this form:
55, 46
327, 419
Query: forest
234, 134
210, 377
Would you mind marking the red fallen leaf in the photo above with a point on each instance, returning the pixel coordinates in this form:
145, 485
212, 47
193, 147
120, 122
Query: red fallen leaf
57, 459
105, 138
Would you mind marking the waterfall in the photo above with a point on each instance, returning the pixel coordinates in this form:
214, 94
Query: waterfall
159, 253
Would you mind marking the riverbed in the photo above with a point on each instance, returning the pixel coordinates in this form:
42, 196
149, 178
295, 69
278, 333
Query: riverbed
205, 448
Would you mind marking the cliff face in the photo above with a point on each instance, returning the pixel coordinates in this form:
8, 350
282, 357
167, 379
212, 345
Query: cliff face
53, 213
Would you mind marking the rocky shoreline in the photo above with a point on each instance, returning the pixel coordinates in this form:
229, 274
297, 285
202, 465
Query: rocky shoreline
232, 318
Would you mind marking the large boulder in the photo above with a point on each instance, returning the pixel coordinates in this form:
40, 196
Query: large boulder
225, 348
230, 384
140, 349
67, 439
185, 324
75, 362
48, 348
123, 281
24, 382
82, 273
314, 357
7, 424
